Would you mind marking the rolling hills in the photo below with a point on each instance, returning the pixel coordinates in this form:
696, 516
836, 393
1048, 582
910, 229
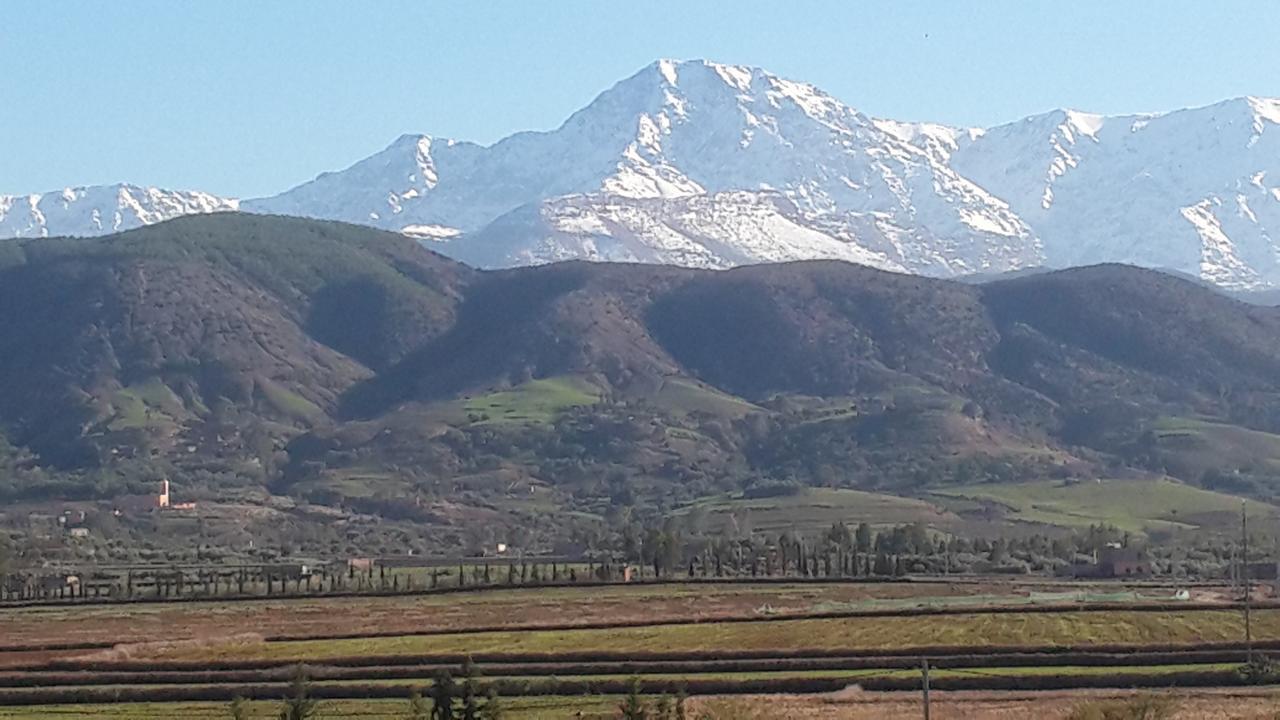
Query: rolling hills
345, 366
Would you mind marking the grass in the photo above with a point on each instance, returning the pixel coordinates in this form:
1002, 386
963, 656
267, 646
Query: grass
145, 405
1201, 444
355, 483
523, 708
814, 510
686, 396
287, 401
975, 630
851, 674
535, 402
1133, 505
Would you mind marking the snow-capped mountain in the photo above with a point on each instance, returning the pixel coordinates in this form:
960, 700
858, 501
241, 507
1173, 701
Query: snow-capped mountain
712, 165
1193, 190
687, 162
100, 209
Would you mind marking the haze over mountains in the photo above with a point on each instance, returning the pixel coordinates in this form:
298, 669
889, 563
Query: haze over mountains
707, 165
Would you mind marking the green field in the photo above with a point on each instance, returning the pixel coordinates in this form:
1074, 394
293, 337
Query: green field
814, 510
149, 404
534, 402
1196, 445
1134, 505
287, 401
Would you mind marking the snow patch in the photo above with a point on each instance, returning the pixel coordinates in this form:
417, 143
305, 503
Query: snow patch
667, 69
430, 232
735, 76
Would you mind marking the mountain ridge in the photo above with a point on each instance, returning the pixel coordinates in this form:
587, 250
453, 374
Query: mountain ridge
245, 355
685, 162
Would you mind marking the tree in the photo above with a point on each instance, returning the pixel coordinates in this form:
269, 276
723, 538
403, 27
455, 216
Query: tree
419, 708
883, 565
838, 535
442, 692
492, 709
633, 708
6, 555
470, 703
299, 705
998, 551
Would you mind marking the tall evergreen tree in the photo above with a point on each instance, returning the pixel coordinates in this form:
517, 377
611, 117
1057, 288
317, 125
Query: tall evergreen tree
492, 709
633, 707
442, 694
298, 705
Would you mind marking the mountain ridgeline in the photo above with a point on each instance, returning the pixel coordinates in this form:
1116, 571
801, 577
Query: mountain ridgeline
708, 165
341, 364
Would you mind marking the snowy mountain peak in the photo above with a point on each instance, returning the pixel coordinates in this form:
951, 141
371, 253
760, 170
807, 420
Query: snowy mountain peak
1264, 110
100, 209
710, 164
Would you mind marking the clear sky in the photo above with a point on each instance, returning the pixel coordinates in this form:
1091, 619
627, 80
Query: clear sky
250, 97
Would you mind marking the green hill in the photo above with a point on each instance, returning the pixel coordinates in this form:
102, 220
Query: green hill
352, 367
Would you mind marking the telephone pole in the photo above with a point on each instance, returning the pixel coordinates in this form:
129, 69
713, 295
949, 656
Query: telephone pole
924, 670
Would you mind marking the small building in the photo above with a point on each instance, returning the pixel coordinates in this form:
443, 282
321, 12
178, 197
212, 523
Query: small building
60, 585
1263, 570
78, 532
142, 503
1116, 562
290, 571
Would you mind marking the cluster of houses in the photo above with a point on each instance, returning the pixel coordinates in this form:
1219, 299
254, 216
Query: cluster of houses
76, 522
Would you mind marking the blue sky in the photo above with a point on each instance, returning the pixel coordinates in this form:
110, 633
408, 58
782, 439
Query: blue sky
244, 97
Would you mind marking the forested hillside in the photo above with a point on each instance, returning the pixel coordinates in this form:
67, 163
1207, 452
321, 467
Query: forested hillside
344, 366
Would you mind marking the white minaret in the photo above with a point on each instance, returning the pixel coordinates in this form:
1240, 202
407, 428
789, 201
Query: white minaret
162, 500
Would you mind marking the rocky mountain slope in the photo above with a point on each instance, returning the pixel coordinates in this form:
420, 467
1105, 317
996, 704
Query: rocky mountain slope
702, 164
100, 210
1195, 190
690, 163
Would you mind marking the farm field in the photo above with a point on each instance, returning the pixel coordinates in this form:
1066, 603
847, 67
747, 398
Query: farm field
813, 510
1234, 704
1195, 445
1183, 704
189, 659
1133, 505
143, 622
978, 629
514, 708
842, 696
